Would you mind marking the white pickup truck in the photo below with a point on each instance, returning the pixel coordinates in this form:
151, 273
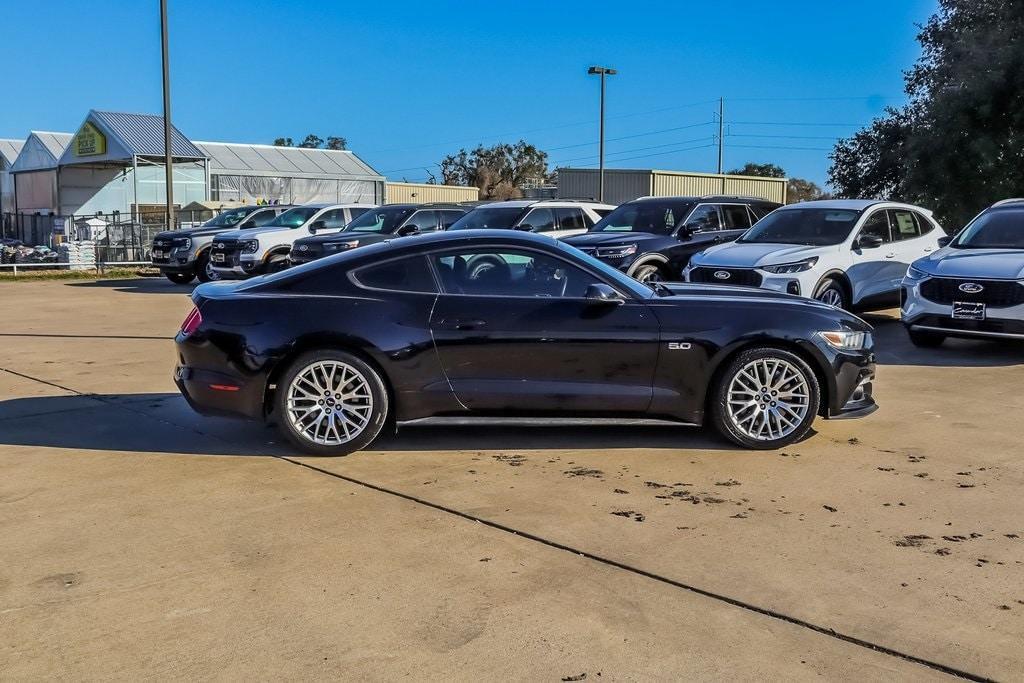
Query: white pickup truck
245, 253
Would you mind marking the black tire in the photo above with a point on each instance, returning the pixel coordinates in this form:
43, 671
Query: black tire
650, 272
726, 424
277, 265
204, 271
180, 278
831, 291
376, 416
925, 339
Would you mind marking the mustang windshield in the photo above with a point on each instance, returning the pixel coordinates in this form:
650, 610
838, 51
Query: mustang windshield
294, 218
228, 218
383, 220
502, 217
658, 217
813, 227
999, 229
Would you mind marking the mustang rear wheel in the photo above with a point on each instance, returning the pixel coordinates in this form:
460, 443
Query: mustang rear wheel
767, 398
331, 403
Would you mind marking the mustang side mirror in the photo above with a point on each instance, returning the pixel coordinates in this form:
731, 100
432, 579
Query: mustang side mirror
945, 240
407, 230
869, 242
601, 293
317, 225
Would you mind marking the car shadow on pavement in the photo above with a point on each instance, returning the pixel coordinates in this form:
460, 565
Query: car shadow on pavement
164, 423
142, 285
143, 423
893, 347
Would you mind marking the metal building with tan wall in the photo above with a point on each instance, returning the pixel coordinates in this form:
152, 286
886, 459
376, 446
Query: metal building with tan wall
622, 185
422, 193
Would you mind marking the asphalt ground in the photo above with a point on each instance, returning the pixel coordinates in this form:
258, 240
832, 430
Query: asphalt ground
140, 540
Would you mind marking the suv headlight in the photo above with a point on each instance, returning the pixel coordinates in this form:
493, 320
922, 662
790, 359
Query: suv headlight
616, 252
845, 340
915, 274
795, 267
182, 243
250, 246
341, 246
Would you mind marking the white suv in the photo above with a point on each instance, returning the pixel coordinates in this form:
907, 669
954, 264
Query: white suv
244, 253
851, 253
553, 217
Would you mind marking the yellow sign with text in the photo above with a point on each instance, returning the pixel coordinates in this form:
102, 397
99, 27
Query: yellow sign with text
89, 141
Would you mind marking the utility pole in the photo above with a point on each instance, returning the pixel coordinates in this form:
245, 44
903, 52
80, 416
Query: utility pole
168, 160
721, 135
601, 71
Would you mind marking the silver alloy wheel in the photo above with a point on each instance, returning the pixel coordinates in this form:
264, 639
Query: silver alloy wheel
329, 403
832, 297
211, 274
768, 399
652, 275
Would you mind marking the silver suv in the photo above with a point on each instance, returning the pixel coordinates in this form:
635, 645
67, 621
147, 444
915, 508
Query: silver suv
974, 285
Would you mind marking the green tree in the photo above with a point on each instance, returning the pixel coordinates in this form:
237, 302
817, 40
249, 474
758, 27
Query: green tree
312, 142
800, 190
501, 171
335, 142
283, 142
958, 144
760, 170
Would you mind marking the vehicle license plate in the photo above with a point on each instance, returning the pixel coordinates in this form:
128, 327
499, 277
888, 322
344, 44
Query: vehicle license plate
964, 310
157, 253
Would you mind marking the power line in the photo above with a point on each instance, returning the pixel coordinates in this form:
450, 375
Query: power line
787, 137
809, 149
638, 149
793, 123
644, 156
637, 135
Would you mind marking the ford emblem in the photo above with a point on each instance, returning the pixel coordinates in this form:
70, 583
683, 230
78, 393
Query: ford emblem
971, 288
303, 247
219, 245
723, 274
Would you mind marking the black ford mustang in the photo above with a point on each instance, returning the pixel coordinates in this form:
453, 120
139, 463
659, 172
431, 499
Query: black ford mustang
501, 323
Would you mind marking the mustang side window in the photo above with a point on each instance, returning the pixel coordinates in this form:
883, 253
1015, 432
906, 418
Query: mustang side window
403, 275
510, 273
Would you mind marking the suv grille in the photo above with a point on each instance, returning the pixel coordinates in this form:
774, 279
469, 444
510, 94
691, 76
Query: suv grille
230, 251
995, 293
737, 276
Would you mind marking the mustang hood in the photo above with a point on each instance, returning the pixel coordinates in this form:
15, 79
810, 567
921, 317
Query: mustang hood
755, 254
611, 239
999, 264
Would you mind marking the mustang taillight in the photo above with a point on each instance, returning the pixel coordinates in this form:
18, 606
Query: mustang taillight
192, 322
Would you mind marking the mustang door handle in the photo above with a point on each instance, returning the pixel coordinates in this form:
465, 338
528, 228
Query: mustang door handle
462, 324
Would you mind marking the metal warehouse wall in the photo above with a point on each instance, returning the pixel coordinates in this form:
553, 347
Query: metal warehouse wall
623, 185
401, 193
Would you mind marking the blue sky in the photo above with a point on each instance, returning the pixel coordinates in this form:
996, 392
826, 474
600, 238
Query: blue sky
408, 82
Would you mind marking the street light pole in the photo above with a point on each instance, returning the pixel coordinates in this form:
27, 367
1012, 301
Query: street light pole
601, 71
168, 161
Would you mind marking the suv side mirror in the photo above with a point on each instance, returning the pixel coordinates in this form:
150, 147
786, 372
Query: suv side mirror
525, 227
601, 294
868, 242
406, 230
945, 240
317, 225
691, 229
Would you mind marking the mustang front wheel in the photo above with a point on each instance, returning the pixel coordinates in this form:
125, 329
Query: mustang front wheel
767, 398
331, 403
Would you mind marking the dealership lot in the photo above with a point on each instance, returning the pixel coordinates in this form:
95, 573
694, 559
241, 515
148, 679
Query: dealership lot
146, 537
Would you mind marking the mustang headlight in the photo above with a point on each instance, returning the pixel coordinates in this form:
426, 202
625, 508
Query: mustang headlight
845, 340
250, 246
341, 246
916, 275
616, 252
795, 267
